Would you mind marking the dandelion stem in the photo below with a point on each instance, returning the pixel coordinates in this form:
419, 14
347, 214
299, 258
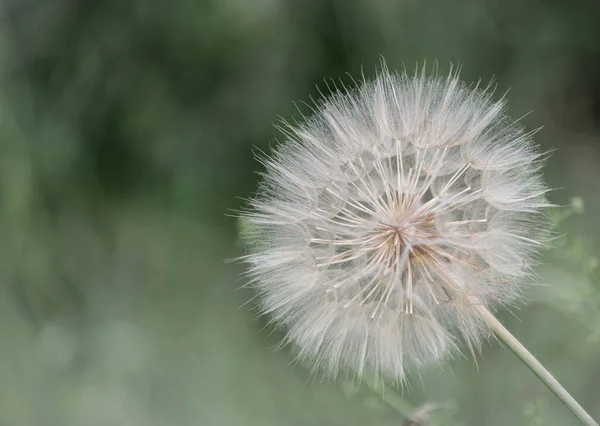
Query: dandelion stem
538, 369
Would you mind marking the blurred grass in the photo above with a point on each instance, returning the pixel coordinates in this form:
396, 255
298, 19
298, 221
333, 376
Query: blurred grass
126, 134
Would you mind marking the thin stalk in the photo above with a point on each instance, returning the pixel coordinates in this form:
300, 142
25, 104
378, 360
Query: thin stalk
538, 369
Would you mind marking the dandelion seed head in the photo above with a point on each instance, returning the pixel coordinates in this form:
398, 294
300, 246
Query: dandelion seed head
387, 214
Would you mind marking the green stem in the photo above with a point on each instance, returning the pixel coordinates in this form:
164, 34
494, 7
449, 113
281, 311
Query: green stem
538, 369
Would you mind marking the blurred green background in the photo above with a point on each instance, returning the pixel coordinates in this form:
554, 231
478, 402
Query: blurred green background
127, 130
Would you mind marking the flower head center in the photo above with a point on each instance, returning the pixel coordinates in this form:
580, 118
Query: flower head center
397, 244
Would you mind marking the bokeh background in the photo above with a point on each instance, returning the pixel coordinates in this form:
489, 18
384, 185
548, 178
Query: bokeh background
126, 137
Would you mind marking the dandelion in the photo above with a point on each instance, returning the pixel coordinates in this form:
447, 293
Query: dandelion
391, 222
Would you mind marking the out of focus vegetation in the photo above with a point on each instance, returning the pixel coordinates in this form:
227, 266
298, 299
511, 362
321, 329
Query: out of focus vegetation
126, 134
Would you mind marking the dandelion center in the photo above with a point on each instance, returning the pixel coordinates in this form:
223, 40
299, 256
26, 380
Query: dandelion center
400, 242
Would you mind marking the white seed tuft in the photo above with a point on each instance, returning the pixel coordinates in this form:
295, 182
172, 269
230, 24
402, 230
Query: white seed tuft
386, 215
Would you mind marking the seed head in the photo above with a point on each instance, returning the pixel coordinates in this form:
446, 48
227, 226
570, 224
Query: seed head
387, 215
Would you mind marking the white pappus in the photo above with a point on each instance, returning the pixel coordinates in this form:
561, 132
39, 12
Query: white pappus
387, 215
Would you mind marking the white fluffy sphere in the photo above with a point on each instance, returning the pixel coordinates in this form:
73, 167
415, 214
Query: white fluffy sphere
386, 215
